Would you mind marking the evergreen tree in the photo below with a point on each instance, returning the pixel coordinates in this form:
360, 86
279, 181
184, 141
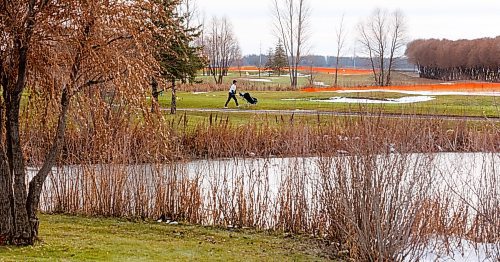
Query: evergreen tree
279, 59
179, 59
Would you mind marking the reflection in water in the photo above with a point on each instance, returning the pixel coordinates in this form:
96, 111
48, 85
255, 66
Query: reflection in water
457, 170
290, 194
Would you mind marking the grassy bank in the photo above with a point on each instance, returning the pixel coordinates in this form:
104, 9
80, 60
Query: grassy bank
78, 238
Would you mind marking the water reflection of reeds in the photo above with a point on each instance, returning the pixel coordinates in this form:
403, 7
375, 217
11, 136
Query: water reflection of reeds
377, 204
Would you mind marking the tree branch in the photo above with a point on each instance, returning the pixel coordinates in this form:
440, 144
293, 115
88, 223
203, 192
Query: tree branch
98, 80
36, 184
118, 38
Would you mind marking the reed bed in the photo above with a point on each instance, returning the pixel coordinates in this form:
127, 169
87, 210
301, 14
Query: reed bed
366, 185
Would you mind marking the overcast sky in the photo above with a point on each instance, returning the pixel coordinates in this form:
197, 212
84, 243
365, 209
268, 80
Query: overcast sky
451, 19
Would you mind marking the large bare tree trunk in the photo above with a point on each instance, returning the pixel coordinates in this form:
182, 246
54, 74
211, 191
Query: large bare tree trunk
23, 206
15, 229
6, 199
6, 179
36, 184
21, 234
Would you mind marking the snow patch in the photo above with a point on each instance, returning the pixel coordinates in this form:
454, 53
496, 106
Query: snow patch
402, 100
422, 93
294, 99
259, 80
320, 84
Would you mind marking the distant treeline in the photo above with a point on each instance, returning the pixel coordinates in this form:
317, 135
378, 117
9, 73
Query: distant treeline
329, 61
448, 60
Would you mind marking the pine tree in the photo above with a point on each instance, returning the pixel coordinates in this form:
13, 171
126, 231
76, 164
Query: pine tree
178, 58
279, 60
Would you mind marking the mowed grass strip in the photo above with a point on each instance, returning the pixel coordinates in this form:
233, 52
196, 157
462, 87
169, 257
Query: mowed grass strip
99, 239
487, 106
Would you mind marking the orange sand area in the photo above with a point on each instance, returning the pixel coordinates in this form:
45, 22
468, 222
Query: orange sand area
326, 70
452, 87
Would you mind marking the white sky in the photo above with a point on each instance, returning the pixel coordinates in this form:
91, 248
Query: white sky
451, 19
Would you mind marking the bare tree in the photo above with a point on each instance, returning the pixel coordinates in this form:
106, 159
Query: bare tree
221, 47
65, 47
341, 36
189, 9
291, 20
200, 41
382, 37
238, 59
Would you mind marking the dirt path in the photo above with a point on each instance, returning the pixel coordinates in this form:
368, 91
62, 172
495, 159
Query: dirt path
332, 113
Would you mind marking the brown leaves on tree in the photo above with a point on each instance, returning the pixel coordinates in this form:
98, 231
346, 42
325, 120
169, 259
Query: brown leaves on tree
448, 60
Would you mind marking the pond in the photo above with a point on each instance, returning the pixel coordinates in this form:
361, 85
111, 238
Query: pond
456, 170
281, 193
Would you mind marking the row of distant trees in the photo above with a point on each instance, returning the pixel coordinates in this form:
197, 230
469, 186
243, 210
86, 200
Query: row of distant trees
327, 61
448, 60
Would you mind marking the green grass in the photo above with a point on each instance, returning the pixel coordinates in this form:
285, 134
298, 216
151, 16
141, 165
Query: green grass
273, 100
67, 238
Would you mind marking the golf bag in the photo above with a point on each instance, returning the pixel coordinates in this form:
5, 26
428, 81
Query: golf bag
251, 100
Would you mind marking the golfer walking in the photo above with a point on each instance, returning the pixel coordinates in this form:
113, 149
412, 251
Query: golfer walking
232, 94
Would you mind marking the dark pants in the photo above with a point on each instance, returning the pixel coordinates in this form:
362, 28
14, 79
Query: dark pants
231, 96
